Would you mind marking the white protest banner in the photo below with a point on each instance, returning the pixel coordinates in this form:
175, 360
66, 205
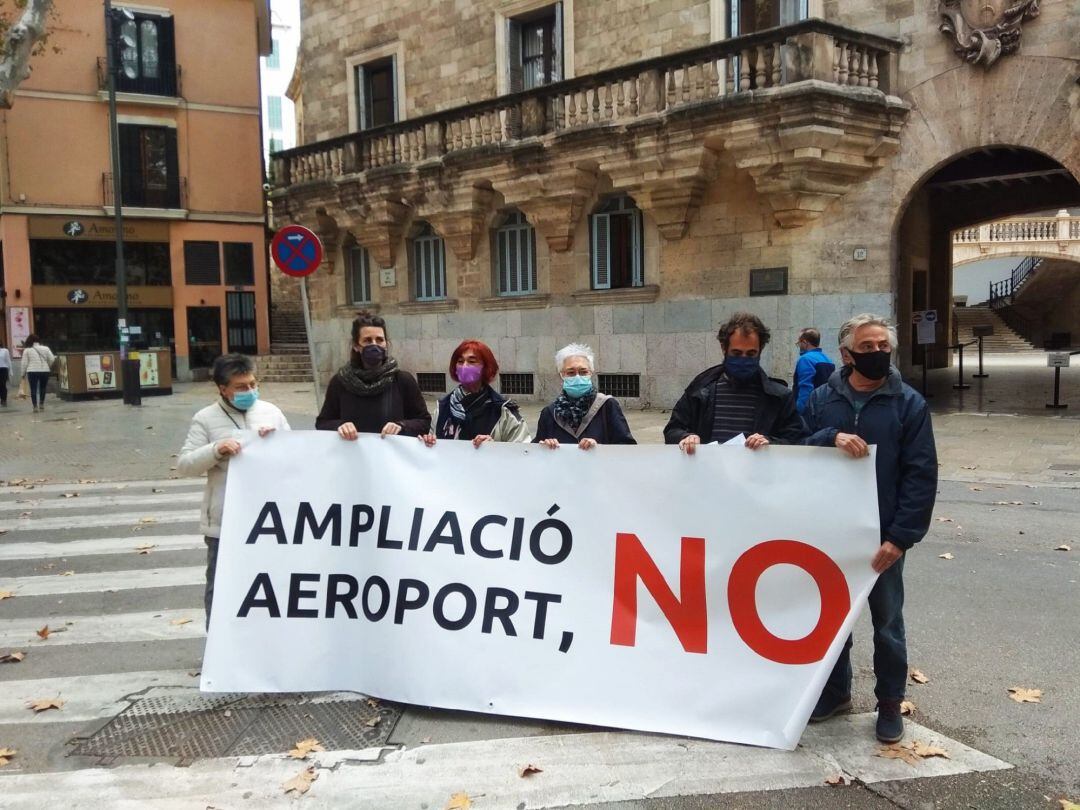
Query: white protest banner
623, 586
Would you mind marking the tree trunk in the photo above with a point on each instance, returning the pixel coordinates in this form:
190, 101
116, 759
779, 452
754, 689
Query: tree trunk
19, 44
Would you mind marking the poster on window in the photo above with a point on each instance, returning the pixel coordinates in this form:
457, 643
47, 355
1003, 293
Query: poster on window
18, 328
99, 372
148, 370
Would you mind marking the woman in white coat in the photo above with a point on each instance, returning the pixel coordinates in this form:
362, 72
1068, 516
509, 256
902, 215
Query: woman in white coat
37, 363
214, 438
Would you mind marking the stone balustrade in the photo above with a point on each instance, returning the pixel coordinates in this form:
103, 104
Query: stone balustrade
1060, 228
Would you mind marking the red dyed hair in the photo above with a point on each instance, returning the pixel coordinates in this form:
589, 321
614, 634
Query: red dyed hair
491, 368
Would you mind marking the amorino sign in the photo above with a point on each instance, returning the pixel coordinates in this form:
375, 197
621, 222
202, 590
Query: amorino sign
96, 229
82, 297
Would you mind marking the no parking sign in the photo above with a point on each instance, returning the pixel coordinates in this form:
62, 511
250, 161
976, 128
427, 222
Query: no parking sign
296, 250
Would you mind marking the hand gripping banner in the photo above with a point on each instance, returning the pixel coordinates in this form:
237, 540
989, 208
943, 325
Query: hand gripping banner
623, 586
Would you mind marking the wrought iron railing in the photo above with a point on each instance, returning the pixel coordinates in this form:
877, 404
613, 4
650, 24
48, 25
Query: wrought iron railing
1002, 292
809, 50
166, 83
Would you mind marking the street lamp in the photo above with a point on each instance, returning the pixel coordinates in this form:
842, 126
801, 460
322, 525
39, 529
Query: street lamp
114, 36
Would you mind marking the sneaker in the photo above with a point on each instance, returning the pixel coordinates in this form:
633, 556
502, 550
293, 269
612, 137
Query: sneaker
890, 725
830, 706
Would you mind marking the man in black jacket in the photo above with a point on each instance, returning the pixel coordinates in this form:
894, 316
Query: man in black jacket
736, 397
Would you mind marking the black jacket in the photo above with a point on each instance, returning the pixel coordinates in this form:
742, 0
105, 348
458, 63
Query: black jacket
608, 426
776, 419
400, 402
897, 420
483, 416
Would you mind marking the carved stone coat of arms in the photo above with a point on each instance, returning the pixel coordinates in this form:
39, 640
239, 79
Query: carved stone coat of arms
984, 30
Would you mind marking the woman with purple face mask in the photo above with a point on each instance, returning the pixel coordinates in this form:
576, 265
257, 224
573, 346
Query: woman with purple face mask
474, 411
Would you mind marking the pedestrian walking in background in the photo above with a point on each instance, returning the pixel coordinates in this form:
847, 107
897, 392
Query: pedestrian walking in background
37, 364
215, 437
5, 373
580, 414
813, 368
736, 397
867, 403
474, 411
370, 393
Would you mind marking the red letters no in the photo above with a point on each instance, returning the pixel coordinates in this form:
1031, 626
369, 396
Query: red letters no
687, 616
742, 600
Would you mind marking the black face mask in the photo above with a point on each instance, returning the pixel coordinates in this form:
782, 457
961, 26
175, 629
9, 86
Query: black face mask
373, 355
872, 365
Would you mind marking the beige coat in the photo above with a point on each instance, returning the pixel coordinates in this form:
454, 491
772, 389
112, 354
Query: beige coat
208, 427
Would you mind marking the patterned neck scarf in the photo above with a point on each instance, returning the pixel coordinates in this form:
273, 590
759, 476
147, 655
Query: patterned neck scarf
572, 411
367, 382
460, 403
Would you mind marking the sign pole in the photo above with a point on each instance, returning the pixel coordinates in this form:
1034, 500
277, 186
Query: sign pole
310, 343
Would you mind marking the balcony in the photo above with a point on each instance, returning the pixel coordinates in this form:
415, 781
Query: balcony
165, 85
805, 109
173, 195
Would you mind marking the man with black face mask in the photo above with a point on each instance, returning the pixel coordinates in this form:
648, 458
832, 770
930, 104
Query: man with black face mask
736, 397
867, 403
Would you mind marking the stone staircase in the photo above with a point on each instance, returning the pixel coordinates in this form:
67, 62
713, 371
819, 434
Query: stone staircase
288, 360
1004, 340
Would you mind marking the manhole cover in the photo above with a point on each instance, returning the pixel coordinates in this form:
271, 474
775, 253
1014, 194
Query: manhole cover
173, 722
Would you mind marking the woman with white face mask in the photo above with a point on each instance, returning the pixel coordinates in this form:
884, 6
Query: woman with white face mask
581, 415
214, 438
474, 411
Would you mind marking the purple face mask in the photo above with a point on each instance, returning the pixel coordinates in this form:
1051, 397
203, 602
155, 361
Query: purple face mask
469, 375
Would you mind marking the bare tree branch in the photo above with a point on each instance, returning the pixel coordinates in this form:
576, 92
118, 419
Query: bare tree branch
19, 44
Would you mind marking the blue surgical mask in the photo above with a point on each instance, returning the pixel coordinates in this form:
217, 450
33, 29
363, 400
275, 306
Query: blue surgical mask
742, 368
576, 387
242, 400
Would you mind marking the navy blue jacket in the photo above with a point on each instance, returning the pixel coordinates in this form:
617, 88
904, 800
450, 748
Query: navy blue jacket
609, 426
897, 420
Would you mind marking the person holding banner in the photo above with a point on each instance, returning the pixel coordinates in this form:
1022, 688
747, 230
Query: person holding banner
867, 403
581, 415
737, 397
215, 436
370, 393
474, 411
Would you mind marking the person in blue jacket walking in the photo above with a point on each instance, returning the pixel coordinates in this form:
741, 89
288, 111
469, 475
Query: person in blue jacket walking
867, 403
813, 368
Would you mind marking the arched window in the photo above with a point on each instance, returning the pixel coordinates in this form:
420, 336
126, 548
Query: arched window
515, 256
358, 275
428, 256
616, 245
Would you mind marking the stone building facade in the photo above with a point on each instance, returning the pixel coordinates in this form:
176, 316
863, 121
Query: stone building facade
661, 165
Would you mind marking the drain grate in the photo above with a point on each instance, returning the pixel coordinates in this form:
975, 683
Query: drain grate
173, 722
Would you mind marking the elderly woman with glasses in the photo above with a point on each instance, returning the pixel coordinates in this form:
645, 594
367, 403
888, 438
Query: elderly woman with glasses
581, 415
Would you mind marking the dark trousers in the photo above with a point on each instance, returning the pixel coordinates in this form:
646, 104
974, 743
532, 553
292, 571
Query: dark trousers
890, 644
211, 567
4, 374
37, 380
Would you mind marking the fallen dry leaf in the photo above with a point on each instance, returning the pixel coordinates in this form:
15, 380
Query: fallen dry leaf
44, 704
459, 801
976, 489
300, 783
145, 548
1064, 547
835, 779
71, 494
7, 595
426, 740
67, 574
925, 750
1023, 695
1068, 805
897, 751
178, 622
6, 755
12, 658
372, 702
146, 520
948, 555
529, 770
43, 633
907, 707
918, 677
944, 520
970, 467
305, 747
374, 721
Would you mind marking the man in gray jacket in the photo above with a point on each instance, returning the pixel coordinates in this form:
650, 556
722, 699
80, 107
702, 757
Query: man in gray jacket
215, 436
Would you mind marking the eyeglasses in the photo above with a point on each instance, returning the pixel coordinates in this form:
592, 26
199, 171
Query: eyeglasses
575, 372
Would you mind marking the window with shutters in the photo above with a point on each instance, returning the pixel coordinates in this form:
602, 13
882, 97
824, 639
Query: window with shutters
616, 245
150, 171
146, 56
239, 264
202, 263
534, 44
428, 258
375, 85
515, 255
358, 277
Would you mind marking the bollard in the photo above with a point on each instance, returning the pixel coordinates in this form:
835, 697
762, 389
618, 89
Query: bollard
980, 374
925, 362
960, 384
1057, 404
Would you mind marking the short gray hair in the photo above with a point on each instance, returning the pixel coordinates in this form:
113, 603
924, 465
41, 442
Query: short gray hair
574, 350
847, 331
229, 365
